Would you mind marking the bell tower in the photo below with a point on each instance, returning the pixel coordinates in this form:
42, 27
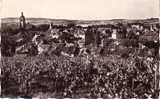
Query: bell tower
22, 21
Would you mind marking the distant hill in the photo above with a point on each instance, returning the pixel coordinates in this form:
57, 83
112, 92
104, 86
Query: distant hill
65, 21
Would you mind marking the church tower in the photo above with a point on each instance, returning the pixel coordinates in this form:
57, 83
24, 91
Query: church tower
22, 21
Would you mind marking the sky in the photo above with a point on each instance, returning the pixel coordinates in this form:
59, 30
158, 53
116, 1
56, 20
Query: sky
81, 9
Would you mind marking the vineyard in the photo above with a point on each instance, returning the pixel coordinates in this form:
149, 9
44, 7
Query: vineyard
91, 77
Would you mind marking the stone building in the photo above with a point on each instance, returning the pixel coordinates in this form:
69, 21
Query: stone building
92, 37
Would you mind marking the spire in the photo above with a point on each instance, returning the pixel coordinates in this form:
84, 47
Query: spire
21, 13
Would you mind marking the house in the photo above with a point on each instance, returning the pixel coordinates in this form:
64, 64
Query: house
114, 34
92, 37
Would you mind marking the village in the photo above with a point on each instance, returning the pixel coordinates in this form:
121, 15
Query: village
77, 39
105, 59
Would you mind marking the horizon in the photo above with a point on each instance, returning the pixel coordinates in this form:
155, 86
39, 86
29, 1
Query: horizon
81, 9
77, 19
